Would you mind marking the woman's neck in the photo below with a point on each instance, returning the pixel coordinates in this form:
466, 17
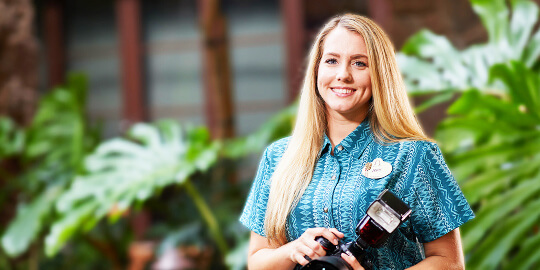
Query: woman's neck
340, 127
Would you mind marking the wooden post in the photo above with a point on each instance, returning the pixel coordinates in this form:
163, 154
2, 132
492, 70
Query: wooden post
54, 40
133, 92
293, 17
216, 69
381, 12
131, 52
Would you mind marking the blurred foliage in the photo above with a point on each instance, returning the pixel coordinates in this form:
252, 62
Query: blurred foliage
431, 64
122, 172
492, 145
39, 161
125, 172
491, 138
71, 186
278, 126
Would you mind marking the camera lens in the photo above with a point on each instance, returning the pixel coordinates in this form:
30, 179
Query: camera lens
328, 263
326, 244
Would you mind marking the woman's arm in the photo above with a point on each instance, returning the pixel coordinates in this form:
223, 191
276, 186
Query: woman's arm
262, 256
443, 253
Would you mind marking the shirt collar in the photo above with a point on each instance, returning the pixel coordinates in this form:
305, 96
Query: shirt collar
326, 146
358, 140
355, 143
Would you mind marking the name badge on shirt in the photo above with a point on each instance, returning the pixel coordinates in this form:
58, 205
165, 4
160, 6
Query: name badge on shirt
376, 169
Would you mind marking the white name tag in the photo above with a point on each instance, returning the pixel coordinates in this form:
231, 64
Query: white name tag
376, 169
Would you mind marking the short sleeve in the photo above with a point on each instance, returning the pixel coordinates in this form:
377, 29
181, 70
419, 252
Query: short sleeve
255, 208
438, 204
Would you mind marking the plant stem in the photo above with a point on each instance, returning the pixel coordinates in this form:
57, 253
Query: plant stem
208, 216
33, 260
107, 250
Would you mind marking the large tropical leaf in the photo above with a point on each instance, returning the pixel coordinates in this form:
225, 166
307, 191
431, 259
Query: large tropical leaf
430, 63
492, 144
11, 138
50, 154
23, 230
279, 126
122, 172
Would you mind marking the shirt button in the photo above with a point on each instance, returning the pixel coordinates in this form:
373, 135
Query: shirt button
325, 210
340, 147
333, 177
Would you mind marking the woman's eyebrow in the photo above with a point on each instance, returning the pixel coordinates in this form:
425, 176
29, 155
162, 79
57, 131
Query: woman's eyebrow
332, 54
355, 56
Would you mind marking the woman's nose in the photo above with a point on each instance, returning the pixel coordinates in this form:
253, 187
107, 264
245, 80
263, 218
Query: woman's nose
344, 74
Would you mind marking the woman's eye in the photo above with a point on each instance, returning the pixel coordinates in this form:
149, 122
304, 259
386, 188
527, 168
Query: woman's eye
360, 64
331, 61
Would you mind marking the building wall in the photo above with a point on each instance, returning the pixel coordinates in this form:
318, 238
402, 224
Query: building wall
173, 60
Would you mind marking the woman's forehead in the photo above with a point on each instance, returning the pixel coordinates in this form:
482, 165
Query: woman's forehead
340, 40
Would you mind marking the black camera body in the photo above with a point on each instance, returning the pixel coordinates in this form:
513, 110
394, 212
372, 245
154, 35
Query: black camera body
382, 218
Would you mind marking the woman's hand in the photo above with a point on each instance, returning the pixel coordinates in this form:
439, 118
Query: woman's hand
351, 260
307, 246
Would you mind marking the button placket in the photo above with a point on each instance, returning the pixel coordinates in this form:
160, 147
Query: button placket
328, 208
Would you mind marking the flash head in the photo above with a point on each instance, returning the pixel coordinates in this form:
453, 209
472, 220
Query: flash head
388, 211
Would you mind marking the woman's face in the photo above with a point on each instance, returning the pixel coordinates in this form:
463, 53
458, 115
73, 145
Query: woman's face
343, 79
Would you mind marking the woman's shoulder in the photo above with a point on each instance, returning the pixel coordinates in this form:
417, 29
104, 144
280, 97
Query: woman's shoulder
275, 150
278, 147
424, 144
424, 152
413, 145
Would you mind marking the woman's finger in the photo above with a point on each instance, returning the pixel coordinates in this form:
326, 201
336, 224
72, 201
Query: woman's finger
314, 246
337, 233
305, 250
302, 260
351, 260
331, 236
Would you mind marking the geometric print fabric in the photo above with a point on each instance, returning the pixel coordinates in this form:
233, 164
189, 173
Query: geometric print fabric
338, 194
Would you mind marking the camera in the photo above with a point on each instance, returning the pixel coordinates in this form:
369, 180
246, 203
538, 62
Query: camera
382, 218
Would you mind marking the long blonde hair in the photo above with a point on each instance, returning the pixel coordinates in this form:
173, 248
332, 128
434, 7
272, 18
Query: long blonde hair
391, 118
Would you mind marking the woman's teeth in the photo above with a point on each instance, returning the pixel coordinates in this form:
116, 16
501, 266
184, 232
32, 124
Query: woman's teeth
342, 91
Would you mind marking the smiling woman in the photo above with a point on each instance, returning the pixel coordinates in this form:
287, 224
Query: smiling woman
353, 116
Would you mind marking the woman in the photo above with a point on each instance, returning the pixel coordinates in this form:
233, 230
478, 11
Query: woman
355, 135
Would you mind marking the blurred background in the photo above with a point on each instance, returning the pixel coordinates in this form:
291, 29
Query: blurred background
130, 130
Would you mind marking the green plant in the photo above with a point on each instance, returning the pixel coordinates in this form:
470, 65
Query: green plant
47, 155
11, 138
69, 184
278, 126
490, 139
492, 144
431, 64
122, 173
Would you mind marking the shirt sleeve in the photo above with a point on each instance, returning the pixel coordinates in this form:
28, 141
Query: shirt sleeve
438, 204
255, 208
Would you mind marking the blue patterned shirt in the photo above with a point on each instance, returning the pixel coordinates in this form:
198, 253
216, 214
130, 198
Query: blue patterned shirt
339, 195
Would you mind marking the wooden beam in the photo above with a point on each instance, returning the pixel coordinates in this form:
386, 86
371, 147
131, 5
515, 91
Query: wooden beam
131, 52
380, 11
293, 20
54, 42
216, 73
133, 91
